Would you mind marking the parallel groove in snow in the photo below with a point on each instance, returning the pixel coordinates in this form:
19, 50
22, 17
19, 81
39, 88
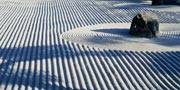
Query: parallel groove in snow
34, 56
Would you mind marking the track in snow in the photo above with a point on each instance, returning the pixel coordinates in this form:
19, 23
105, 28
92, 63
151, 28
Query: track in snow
34, 56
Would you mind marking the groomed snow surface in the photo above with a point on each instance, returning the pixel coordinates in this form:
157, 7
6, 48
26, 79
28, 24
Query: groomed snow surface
84, 44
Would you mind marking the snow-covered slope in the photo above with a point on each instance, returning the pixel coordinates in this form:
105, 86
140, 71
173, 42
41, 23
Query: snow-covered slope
34, 55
